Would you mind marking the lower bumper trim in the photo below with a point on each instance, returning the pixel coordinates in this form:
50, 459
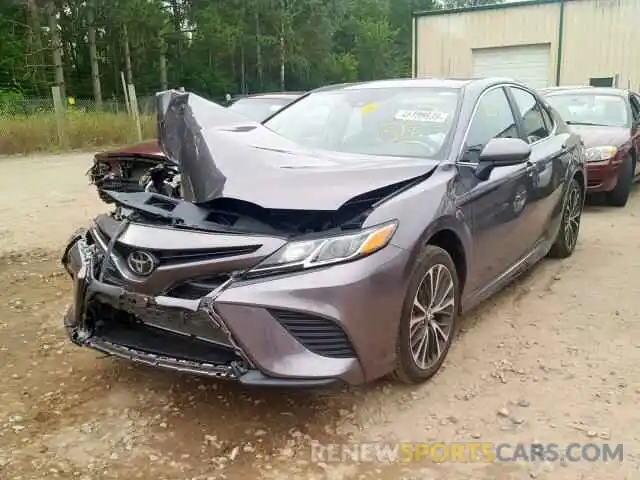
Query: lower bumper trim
231, 372
187, 366
256, 378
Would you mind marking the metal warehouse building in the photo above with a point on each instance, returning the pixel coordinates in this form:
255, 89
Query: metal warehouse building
538, 42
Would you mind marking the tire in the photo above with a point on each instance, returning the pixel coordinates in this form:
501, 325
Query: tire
620, 194
565, 244
408, 370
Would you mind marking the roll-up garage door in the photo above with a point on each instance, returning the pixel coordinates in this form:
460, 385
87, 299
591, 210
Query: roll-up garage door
528, 64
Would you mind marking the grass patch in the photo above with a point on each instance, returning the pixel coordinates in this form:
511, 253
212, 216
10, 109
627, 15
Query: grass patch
82, 131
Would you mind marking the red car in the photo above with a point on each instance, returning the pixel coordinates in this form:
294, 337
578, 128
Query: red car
608, 120
144, 166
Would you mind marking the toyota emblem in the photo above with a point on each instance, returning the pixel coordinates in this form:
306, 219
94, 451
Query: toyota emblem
141, 263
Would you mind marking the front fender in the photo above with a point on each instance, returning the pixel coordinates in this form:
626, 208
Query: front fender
423, 211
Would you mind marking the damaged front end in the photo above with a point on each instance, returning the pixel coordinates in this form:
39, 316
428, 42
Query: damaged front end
167, 318
147, 279
180, 333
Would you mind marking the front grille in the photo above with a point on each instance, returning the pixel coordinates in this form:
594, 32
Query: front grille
184, 322
174, 256
593, 182
168, 257
191, 289
319, 335
112, 276
181, 339
194, 289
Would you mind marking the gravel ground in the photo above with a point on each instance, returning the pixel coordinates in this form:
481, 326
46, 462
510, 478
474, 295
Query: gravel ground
551, 359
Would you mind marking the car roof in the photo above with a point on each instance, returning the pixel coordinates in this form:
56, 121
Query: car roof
564, 87
454, 83
585, 89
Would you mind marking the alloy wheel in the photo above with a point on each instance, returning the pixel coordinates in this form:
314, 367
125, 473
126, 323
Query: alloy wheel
572, 214
432, 316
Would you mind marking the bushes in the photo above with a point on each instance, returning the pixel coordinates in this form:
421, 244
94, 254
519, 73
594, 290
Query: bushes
81, 131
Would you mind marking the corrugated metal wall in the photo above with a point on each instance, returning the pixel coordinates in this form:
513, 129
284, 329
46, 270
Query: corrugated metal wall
601, 39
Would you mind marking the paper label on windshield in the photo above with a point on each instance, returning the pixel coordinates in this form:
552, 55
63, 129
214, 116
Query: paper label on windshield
427, 116
369, 108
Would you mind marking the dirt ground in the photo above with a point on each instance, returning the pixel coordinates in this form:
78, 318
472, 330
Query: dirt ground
551, 359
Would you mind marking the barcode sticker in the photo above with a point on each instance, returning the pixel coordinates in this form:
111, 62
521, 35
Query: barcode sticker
429, 116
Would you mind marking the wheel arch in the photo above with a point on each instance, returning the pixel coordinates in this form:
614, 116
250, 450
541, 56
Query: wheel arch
449, 241
452, 234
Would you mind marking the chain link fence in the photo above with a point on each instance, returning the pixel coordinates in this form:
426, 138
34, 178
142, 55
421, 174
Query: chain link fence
29, 125
23, 107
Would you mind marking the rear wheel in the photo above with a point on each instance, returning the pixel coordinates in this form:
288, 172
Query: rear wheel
620, 194
429, 317
567, 237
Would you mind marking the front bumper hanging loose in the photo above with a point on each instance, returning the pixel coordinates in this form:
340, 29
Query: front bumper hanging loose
202, 344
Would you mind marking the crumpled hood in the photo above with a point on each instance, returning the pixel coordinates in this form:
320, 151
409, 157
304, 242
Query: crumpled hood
222, 154
597, 136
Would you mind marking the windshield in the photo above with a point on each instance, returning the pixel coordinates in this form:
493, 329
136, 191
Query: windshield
408, 122
591, 109
258, 108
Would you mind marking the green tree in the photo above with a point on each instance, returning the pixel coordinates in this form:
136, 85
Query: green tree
208, 46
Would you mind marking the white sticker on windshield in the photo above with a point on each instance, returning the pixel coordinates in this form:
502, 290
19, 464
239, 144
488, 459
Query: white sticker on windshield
430, 116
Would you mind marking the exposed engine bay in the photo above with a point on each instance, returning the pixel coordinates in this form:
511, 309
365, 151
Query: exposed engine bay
163, 179
227, 215
135, 175
158, 200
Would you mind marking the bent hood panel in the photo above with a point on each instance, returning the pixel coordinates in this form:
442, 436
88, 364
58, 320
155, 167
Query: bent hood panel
222, 154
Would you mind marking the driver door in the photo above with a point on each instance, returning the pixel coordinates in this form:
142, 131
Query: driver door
496, 205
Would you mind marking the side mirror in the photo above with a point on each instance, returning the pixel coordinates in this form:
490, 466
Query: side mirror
501, 152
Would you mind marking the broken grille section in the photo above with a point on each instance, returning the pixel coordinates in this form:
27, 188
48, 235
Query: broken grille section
171, 257
319, 335
191, 289
171, 332
174, 256
194, 289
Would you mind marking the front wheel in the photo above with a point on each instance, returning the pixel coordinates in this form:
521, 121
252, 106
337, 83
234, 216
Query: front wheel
429, 317
567, 238
620, 194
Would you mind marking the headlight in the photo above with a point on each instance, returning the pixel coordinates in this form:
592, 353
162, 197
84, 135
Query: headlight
305, 254
599, 154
